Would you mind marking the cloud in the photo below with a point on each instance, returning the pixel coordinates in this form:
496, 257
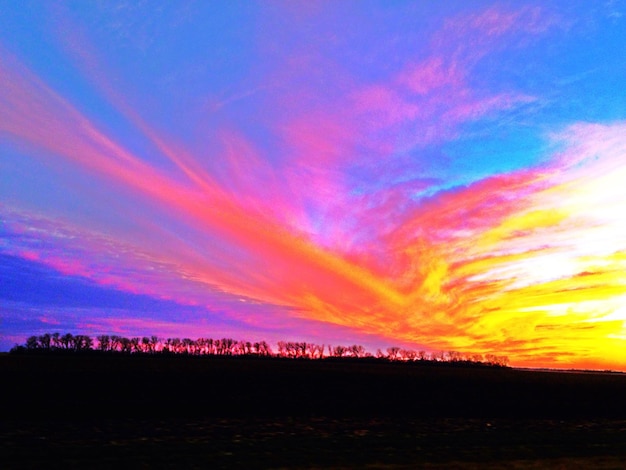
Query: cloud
329, 215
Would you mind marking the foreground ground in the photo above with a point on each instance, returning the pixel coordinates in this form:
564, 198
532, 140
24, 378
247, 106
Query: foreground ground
315, 443
157, 412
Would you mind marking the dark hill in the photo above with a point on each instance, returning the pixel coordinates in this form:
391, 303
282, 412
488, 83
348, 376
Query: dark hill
148, 386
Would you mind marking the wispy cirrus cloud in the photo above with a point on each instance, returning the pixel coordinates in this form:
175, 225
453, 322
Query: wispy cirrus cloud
331, 207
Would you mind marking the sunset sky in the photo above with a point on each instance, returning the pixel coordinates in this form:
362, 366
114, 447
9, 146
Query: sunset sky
431, 175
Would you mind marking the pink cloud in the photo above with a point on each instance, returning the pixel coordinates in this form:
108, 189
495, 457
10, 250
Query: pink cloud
286, 231
481, 31
473, 109
427, 100
386, 106
49, 320
491, 22
431, 74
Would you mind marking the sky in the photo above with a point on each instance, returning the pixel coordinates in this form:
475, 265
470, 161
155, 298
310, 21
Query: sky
430, 175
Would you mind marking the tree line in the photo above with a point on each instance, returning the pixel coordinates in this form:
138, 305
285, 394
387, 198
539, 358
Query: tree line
68, 342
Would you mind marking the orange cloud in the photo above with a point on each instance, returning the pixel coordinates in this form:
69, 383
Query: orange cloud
531, 264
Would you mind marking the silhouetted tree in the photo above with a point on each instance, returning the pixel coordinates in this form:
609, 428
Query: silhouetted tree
393, 352
149, 344
437, 356
408, 354
501, 361
126, 345
67, 341
116, 343
453, 356
229, 346
356, 350
317, 350
262, 349
290, 348
476, 358
104, 342
299, 349
186, 345
135, 344
173, 345
84, 343
32, 342
240, 348
45, 341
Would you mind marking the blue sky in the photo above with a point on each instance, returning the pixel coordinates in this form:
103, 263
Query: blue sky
370, 172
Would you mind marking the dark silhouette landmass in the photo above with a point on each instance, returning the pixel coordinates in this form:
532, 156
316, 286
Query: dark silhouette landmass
141, 385
165, 410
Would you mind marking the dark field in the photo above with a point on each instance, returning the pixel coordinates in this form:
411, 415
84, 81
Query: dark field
208, 412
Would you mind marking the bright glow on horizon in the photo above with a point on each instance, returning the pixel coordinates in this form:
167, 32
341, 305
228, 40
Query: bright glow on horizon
425, 176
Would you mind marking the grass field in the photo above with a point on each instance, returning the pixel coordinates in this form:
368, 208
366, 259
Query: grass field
197, 412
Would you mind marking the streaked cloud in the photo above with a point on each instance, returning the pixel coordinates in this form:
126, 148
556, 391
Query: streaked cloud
317, 196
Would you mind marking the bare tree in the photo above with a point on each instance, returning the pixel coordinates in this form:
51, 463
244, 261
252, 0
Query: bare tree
32, 342
356, 350
135, 344
149, 344
87, 342
393, 353
317, 350
126, 346
262, 349
45, 340
453, 356
243, 348
491, 359
240, 348
116, 343
302, 349
173, 344
501, 361
437, 356
227, 345
476, 358
187, 344
408, 354
67, 341
290, 347
104, 342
